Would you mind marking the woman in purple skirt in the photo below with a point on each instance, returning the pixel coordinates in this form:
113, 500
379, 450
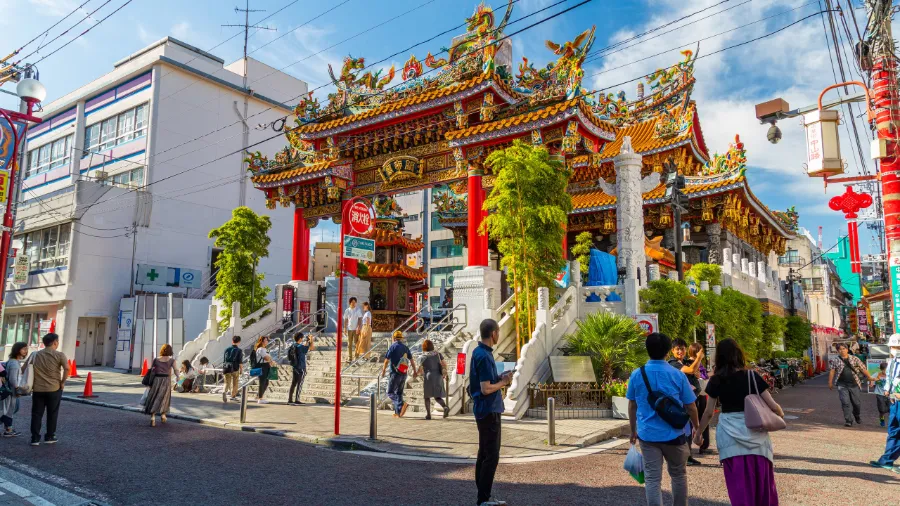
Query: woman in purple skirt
747, 456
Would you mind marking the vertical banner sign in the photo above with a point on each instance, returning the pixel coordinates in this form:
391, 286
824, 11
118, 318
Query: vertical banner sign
895, 288
303, 315
20, 269
460, 363
711, 344
287, 300
7, 143
4, 186
862, 319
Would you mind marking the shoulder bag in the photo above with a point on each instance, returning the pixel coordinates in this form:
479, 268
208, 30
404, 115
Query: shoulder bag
667, 408
757, 414
27, 384
148, 378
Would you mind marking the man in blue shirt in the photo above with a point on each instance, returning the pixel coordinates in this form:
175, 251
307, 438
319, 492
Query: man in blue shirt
400, 359
659, 440
297, 358
484, 387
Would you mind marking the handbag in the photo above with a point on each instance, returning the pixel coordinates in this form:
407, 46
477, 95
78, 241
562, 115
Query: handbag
273, 374
757, 414
27, 384
667, 408
256, 372
147, 380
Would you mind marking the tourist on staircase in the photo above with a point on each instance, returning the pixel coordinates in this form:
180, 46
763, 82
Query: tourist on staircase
365, 331
433, 369
297, 358
12, 380
352, 317
747, 455
263, 360
232, 366
400, 359
159, 396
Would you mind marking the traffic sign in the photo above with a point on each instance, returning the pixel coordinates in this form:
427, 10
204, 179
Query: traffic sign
710, 335
359, 248
360, 218
649, 323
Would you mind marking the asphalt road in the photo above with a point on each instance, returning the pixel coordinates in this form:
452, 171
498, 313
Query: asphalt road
116, 457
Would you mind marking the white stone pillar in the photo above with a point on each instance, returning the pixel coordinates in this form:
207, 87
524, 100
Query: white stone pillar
236, 316
630, 212
745, 266
704, 286
652, 272
478, 288
762, 272
736, 259
751, 269
726, 261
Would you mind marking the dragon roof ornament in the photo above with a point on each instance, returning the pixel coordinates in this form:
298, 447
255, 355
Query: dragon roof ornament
734, 161
789, 217
560, 80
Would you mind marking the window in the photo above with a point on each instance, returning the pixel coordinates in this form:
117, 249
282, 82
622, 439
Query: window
49, 156
119, 129
443, 274
134, 177
445, 248
790, 257
22, 328
436, 223
48, 247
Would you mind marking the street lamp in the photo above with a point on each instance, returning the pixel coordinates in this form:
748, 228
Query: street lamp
14, 127
674, 184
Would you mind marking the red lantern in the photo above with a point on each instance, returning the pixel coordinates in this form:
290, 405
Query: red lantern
850, 203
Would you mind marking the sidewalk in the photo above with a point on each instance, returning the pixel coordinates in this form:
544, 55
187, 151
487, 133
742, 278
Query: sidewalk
413, 437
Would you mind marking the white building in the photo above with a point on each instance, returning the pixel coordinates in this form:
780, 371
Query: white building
167, 120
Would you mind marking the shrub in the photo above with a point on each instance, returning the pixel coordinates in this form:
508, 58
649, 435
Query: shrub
615, 388
711, 273
614, 342
797, 335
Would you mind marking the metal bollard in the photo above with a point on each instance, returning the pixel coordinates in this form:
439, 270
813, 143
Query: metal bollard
244, 404
551, 421
373, 418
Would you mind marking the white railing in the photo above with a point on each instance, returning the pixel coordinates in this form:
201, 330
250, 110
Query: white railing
215, 348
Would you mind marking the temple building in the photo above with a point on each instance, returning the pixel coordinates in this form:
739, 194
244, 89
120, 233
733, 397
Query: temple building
435, 129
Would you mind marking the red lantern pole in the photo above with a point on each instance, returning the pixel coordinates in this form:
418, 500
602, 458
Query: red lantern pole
850, 203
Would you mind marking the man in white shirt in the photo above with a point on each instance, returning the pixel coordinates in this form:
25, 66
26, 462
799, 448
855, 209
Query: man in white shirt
352, 318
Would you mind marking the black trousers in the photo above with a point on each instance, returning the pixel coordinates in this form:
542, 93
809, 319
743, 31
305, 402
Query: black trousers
41, 401
701, 407
296, 383
264, 380
488, 455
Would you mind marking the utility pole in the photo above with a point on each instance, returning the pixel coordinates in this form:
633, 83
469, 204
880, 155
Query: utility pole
242, 192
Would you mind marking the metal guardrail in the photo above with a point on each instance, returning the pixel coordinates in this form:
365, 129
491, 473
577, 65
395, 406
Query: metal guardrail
574, 400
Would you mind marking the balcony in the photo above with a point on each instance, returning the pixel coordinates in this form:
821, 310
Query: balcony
791, 259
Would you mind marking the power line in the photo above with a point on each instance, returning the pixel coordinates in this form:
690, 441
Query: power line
54, 25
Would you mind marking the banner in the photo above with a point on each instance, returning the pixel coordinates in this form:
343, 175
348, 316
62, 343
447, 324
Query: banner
7, 146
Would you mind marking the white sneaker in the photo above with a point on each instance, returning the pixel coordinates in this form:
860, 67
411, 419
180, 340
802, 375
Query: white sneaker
262, 401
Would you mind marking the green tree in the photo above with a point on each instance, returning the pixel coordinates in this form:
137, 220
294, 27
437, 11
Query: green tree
582, 251
614, 342
528, 208
676, 307
773, 327
711, 273
797, 335
244, 241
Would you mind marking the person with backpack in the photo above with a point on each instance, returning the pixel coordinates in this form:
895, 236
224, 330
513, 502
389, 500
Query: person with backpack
11, 383
400, 359
661, 401
747, 455
232, 366
297, 358
262, 360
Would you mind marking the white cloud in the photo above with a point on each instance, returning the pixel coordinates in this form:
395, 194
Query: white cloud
181, 30
144, 35
54, 7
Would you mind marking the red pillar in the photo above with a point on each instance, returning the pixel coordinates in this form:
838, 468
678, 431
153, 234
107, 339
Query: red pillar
349, 264
300, 265
478, 242
887, 109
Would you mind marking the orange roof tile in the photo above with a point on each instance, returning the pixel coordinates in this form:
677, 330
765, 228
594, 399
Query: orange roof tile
528, 117
393, 238
712, 185
289, 173
395, 270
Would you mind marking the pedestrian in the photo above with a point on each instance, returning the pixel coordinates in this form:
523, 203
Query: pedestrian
10, 405
204, 370
50, 370
882, 401
695, 353
891, 390
264, 361
747, 455
232, 366
400, 359
352, 317
297, 357
365, 331
159, 397
847, 368
485, 389
186, 377
691, 370
433, 369
659, 440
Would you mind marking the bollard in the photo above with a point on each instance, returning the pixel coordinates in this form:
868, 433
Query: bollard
373, 418
551, 421
244, 404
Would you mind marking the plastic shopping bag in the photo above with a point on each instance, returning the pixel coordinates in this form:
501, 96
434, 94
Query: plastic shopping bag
143, 400
634, 464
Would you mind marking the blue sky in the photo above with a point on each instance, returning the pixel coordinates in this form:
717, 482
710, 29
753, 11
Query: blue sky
793, 64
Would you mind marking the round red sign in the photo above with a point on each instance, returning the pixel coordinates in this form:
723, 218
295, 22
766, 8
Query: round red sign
360, 218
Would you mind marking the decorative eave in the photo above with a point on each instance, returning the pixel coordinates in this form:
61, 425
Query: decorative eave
387, 238
407, 106
395, 270
533, 120
286, 175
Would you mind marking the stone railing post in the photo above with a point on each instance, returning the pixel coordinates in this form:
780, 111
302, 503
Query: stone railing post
236, 317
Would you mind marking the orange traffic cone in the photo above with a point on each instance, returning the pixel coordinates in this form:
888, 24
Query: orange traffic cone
73, 371
88, 388
144, 369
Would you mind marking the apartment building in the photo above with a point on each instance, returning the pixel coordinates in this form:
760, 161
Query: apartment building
325, 260
136, 167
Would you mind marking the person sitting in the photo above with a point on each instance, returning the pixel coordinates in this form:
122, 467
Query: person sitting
186, 377
205, 369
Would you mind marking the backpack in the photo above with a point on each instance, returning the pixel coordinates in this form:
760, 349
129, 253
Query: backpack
254, 362
292, 355
667, 408
230, 359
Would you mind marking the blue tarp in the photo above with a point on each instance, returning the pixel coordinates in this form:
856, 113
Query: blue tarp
602, 271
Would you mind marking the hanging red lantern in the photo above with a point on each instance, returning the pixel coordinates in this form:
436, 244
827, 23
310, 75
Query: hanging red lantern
850, 203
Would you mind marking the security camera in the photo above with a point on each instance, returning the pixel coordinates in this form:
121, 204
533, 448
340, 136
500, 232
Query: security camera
774, 134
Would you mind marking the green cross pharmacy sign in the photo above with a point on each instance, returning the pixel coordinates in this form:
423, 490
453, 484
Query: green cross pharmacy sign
359, 248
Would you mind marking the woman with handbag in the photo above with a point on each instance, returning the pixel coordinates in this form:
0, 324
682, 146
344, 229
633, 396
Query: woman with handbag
365, 331
159, 381
10, 405
267, 364
434, 370
742, 435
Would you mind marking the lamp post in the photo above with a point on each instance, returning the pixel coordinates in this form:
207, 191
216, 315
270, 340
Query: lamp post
32, 92
674, 185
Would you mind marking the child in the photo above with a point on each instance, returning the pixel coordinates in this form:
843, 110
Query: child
204, 369
884, 403
185, 378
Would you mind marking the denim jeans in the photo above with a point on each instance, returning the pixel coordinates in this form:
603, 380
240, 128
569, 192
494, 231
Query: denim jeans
892, 446
396, 385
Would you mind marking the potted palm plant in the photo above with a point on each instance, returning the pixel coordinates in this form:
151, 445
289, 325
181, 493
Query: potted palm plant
615, 344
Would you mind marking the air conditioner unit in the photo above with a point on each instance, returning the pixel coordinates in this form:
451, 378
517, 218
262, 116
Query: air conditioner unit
100, 175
